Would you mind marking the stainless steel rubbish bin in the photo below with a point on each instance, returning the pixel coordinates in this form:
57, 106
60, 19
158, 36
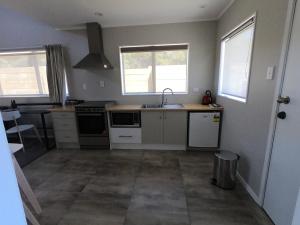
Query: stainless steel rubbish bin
225, 166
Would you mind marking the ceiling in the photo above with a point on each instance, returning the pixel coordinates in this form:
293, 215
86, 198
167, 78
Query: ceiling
72, 13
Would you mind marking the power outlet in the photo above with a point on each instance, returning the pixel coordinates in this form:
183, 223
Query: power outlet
84, 87
196, 90
102, 83
270, 73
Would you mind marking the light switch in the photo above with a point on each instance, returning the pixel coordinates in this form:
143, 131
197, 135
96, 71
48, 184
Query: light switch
270, 73
84, 86
195, 90
102, 83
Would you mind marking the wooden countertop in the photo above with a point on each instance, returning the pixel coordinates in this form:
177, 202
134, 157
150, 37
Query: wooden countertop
68, 108
187, 107
121, 107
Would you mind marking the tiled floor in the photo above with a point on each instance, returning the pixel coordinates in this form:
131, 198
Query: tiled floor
136, 188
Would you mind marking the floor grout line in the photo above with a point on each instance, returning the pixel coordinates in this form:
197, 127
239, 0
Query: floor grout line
186, 196
134, 185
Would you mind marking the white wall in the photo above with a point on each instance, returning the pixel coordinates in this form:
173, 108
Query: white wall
21, 31
245, 126
11, 208
296, 219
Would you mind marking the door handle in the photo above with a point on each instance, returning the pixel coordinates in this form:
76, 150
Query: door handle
281, 115
283, 100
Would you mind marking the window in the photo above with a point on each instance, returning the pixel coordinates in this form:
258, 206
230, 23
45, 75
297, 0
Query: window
235, 62
23, 73
150, 69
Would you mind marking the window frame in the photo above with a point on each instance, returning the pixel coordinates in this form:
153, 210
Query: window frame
31, 50
237, 30
153, 66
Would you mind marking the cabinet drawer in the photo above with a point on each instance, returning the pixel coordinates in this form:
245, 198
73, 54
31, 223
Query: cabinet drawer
64, 137
66, 124
126, 135
63, 115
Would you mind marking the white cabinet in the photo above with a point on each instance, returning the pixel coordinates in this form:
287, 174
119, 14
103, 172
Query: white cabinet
152, 127
125, 135
175, 128
164, 127
65, 129
204, 129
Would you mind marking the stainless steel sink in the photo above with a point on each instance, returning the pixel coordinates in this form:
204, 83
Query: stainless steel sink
160, 106
152, 106
173, 106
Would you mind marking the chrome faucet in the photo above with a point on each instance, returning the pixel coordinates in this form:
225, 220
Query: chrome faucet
163, 95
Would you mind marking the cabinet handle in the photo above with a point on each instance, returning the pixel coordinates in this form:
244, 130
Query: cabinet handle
125, 136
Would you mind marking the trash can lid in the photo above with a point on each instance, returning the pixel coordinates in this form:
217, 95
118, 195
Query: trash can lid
226, 155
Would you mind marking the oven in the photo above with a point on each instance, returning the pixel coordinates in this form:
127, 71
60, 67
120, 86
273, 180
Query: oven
92, 128
130, 119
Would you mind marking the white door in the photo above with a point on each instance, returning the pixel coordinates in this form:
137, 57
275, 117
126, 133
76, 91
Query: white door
284, 172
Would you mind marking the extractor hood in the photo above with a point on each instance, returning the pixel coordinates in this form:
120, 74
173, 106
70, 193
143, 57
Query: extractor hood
95, 57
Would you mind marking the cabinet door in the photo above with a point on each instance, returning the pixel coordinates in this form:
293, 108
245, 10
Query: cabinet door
175, 128
152, 127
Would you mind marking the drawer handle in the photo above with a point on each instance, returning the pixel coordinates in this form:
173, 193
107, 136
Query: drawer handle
125, 136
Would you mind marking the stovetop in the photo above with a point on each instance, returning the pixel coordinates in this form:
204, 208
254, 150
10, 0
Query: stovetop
94, 104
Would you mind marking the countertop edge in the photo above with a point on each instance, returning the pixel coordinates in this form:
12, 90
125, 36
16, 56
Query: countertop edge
187, 107
123, 107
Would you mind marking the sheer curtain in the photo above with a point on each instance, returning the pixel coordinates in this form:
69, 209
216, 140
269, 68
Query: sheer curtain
56, 72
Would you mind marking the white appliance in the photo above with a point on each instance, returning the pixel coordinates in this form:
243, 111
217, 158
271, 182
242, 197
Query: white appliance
204, 129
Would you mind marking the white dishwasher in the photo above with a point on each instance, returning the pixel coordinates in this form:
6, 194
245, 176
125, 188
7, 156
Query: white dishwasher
204, 129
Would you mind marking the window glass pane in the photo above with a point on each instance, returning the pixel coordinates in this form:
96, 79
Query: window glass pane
23, 73
171, 70
235, 67
137, 72
153, 71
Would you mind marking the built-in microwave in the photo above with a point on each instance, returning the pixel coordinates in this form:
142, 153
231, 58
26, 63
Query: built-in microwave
125, 119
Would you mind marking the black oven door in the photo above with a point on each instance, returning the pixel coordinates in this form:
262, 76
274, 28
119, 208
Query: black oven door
92, 124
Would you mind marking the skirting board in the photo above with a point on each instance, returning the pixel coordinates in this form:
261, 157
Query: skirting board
248, 189
148, 147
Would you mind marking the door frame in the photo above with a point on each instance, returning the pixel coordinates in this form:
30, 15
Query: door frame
278, 91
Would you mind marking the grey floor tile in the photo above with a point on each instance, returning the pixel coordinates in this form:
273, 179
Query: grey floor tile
121, 185
134, 187
80, 166
37, 177
155, 218
65, 182
54, 205
97, 209
158, 186
159, 203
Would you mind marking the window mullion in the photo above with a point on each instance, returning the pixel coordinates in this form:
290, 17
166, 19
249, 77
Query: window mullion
154, 72
1, 91
37, 73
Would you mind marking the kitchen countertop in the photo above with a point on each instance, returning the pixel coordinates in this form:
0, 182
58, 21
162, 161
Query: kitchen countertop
123, 107
68, 108
187, 107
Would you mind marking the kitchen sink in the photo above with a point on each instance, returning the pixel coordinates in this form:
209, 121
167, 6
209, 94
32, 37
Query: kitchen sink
152, 106
173, 106
160, 106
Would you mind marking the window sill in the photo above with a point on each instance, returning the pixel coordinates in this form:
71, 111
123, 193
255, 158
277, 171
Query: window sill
24, 96
153, 94
238, 99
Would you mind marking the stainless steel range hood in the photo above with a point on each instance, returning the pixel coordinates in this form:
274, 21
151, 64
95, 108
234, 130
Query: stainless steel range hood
96, 57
